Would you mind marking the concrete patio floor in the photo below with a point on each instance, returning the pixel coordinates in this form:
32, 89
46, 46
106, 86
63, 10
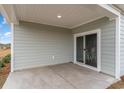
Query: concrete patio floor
62, 76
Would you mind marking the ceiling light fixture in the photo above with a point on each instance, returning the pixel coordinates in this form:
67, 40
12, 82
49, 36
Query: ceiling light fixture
59, 16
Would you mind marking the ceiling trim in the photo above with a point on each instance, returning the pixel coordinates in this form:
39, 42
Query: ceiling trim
45, 24
122, 11
116, 8
86, 22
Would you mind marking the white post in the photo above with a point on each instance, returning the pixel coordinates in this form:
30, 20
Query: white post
74, 49
117, 48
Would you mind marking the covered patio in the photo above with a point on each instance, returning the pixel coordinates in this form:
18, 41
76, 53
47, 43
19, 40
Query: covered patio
44, 44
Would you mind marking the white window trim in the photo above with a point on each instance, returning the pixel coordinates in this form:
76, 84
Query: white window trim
98, 32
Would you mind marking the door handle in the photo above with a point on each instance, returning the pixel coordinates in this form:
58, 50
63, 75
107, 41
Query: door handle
85, 49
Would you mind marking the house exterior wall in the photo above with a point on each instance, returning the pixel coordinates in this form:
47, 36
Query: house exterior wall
108, 29
122, 45
36, 44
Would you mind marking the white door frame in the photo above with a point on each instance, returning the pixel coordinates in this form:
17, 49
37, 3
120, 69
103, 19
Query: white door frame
98, 32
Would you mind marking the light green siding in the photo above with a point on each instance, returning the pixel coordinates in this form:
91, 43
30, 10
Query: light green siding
122, 46
36, 44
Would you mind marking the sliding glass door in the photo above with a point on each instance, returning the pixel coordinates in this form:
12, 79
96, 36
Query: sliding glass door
86, 47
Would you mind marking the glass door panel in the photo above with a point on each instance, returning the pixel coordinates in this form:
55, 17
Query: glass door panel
79, 48
91, 50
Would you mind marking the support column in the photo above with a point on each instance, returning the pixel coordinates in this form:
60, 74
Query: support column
117, 48
12, 47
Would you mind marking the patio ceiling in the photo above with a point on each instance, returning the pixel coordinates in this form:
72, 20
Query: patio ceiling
71, 15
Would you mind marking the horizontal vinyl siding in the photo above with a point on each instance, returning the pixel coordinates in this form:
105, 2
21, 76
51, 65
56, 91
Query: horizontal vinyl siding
35, 44
108, 47
122, 46
107, 42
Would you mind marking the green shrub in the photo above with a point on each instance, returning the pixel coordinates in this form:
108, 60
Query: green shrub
6, 59
1, 64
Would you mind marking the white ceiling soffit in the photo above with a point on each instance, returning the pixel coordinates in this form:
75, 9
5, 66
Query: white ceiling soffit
8, 12
72, 15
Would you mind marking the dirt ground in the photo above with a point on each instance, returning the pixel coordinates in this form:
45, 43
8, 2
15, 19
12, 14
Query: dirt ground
3, 79
5, 70
4, 52
117, 85
4, 74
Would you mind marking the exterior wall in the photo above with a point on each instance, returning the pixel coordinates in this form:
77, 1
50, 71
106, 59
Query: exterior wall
122, 45
36, 44
108, 29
